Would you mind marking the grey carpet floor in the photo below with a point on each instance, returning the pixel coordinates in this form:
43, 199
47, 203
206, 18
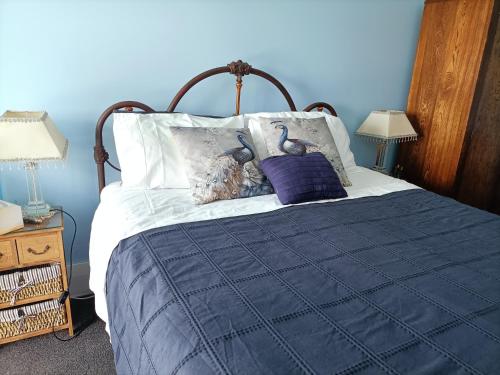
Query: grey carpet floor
89, 353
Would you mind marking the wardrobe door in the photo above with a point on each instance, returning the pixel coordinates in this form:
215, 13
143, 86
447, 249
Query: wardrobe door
478, 183
449, 53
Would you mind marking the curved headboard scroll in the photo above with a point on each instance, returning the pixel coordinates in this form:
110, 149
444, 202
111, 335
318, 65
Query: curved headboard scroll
101, 156
319, 106
237, 68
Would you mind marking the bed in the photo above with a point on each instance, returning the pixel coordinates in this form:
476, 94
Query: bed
391, 279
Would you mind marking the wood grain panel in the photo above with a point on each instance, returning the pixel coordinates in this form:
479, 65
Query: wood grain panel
427, 69
38, 248
479, 180
8, 254
449, 54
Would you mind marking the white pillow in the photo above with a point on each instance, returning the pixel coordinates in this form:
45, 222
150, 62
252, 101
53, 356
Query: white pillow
147, 153
335, 124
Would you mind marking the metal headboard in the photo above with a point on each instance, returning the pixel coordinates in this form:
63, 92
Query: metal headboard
236, 68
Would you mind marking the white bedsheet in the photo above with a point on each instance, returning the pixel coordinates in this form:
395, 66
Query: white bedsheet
124, 212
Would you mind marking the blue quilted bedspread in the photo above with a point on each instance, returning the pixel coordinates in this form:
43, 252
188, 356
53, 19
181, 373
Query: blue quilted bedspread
408, 282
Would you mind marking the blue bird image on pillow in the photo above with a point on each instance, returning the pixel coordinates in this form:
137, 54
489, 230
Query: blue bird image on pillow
291, 146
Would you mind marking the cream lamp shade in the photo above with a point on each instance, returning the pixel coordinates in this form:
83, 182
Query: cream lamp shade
30, 136
387, 126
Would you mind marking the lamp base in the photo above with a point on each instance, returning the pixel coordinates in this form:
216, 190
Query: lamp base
38, 210
379, 161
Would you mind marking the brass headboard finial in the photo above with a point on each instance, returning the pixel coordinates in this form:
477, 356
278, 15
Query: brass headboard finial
239, 69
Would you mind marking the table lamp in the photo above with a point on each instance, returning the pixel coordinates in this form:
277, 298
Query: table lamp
31, 138
384, 127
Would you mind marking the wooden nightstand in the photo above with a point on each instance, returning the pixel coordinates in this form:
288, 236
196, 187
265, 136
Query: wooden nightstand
37, 252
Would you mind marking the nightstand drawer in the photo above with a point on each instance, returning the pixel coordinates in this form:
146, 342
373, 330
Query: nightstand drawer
8, 255
33, 249
39, 316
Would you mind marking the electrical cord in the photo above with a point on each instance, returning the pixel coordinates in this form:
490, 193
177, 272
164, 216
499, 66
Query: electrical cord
65, 294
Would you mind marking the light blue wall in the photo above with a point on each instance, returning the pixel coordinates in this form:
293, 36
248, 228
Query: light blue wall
73, 59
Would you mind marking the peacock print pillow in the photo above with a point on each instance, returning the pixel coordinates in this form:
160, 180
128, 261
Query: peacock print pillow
298, 136
221, 163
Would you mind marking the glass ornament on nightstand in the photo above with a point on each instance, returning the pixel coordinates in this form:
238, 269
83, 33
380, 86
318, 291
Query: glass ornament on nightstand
31, 138
384, 127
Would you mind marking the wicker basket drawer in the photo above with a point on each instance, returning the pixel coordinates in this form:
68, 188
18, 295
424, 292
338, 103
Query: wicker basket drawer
36, 281
29, 318
33, 249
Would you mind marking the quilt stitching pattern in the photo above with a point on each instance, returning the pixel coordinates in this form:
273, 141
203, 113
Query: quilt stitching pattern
417, 293
424, 271
284, 270
390, 316
465, 262
356, 367
256, 236
274, 334
117, 338
452, 282
308, 311
363, 348
194, 322
129, 305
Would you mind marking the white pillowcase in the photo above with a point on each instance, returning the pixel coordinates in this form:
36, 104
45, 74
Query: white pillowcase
148, 155
335, 124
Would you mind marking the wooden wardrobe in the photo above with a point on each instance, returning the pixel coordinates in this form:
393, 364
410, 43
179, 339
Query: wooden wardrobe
454, 103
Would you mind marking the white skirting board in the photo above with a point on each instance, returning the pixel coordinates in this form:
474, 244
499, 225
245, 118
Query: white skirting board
80, 280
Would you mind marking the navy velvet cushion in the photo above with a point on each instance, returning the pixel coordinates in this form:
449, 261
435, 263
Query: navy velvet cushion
305, 178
